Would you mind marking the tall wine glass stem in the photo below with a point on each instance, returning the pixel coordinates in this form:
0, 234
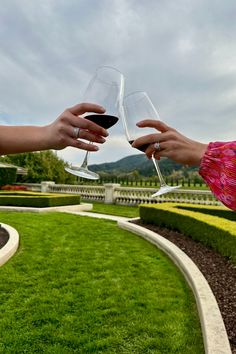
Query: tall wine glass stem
85, 162
161, 179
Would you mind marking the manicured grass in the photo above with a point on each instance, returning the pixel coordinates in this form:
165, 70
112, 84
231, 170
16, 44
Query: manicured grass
81, 285
119, 210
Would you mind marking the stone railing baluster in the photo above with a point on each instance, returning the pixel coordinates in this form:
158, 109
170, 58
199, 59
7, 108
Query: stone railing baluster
115, 194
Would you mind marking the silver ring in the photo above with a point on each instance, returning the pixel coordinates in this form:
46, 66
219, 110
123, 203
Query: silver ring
157, 146
76, 132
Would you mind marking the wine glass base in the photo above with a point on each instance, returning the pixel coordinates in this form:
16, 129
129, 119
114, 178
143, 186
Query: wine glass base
82, 172
165, 189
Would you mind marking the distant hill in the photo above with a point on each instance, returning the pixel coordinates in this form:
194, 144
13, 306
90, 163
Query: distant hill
138, 163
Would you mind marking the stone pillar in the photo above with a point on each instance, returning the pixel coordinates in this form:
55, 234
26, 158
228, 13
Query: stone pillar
109, 192
45, 186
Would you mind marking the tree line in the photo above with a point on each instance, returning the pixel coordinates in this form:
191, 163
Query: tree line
47, 166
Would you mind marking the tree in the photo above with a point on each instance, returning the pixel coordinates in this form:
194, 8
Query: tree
42, 166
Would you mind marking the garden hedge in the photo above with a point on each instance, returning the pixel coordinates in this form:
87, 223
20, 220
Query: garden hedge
7, 175
39, 200
213, 226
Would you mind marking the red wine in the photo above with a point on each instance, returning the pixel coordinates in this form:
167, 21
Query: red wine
104, 120
142, 147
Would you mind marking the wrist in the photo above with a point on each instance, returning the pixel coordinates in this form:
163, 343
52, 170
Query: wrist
200, 150
46, 142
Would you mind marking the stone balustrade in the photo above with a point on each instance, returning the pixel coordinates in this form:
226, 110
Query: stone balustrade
91, 193
134, 196
115, 194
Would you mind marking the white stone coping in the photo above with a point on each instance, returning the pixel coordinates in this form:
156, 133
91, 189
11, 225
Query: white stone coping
214, 333
10, 248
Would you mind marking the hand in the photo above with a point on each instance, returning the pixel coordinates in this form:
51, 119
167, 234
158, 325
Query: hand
63, 131
173, 145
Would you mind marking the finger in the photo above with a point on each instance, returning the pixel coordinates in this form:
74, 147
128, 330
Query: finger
84, 123
82, 145
82, 108
84, 134
157, 155
146, 139
151, 150
152, 123
93, 127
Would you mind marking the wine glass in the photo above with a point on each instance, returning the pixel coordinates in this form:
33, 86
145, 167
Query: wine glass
138, 106
106, 89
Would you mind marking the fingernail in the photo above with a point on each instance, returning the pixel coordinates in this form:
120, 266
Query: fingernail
96, 148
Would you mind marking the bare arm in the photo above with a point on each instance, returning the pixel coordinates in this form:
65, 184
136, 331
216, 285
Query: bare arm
57, 135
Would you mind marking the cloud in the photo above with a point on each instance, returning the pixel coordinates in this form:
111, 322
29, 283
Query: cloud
182, 53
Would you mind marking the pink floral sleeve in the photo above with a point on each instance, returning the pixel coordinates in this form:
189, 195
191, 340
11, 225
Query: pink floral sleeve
218, 169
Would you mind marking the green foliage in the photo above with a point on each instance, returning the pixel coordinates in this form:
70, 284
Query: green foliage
80, 285
38, 200
42, 166
141, 166
7, 175
215, 227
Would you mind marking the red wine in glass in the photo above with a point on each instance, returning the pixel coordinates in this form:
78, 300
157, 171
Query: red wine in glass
106, 88
136, 107
104, 120
142, 148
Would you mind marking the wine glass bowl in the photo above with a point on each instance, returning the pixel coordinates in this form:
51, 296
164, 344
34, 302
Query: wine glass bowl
106, 88
138, 106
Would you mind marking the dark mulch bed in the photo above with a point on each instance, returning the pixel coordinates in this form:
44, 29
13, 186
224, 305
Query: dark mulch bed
218, 270
4, 236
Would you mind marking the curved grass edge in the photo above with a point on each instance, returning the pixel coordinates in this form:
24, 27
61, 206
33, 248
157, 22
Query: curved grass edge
214, 333
10, 248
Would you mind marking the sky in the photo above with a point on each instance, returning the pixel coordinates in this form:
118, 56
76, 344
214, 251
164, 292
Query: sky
181, 52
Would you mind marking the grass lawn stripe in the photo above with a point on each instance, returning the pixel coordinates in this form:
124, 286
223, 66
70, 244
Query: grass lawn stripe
81, 285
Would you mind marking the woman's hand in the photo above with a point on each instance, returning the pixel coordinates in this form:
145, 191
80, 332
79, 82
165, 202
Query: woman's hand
69, 128
172, 144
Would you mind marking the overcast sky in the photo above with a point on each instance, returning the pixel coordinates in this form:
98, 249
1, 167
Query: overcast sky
182, 52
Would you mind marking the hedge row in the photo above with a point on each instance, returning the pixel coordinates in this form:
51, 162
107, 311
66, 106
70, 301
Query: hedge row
37, 200
215, 226
7, 175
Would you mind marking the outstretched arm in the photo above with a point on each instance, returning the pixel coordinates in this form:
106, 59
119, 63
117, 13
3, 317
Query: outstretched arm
57, 135
216, 161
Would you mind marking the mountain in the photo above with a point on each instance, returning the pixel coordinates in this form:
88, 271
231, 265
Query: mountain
138, 163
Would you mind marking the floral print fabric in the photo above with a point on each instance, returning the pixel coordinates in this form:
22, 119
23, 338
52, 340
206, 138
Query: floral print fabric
218, 169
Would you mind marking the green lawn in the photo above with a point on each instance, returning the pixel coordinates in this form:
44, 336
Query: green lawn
113, 209
82, 285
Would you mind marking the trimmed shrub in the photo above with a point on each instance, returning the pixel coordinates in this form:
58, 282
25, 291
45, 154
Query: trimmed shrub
37, 200
7, 175
214, 227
